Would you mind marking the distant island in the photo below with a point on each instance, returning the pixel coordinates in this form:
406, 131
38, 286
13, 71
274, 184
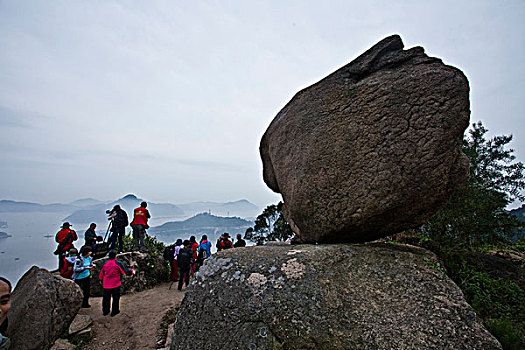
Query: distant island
204, 223
4, 235
87, 210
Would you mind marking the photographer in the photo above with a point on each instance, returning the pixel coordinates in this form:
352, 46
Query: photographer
119, 220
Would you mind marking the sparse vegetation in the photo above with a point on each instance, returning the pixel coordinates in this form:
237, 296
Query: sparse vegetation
270, 225
474, 222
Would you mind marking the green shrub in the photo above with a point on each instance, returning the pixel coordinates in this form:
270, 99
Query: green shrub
491, 297
507, 334
499, 302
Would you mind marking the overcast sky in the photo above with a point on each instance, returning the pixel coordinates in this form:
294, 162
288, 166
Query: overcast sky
169, 99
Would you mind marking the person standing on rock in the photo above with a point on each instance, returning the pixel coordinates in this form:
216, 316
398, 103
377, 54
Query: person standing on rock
64, 238
139, 226
5, 305
82, 273
184, 260
240, 242
110, 277
120, 221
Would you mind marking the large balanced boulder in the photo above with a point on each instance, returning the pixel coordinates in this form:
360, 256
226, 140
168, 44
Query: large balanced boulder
150, 269
372, 149
345, 296
42, 308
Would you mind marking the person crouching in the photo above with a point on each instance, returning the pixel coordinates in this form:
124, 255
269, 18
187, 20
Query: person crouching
110, 277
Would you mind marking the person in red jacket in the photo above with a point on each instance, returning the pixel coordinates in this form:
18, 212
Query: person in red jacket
110, 277
139, 226
67, 267
194, 246
64, 238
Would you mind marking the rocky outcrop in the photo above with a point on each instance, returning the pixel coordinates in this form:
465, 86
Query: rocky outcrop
372, 149
361, 296
150, 269
42, 308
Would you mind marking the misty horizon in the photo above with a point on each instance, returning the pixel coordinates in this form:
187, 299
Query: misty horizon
171, 100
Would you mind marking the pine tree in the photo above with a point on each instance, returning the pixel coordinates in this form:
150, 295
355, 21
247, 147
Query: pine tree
476, 214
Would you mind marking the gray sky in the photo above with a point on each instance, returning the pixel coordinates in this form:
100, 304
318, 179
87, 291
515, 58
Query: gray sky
169, 99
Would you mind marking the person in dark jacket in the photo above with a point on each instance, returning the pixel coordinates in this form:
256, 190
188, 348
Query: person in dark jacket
240, 242
90, 236
120, 221
185, 260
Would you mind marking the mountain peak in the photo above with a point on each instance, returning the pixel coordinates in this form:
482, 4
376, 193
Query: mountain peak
130, 196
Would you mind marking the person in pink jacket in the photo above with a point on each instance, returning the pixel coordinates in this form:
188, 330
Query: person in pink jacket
110, 277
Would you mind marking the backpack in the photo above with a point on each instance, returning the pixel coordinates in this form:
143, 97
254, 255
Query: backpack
67, 269
202, 254
121, 218
169, 253
185, 257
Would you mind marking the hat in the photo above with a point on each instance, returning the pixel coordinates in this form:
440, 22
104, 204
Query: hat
179, 242
66, 224
226, 235
116, 207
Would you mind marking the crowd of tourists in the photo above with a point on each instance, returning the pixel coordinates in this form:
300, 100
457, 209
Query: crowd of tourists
78, 265
186, 257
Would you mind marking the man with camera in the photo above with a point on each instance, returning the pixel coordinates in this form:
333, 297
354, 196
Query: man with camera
119, 221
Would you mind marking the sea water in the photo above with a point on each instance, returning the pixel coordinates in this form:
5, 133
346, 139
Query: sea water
28, 244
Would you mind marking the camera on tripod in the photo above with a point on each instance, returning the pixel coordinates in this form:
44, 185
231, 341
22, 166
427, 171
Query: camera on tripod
111, 214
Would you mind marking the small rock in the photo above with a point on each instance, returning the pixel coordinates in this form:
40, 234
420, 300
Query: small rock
85, 331
80, 323
62, 344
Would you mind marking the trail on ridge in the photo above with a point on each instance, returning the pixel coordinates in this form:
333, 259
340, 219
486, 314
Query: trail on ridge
139, 319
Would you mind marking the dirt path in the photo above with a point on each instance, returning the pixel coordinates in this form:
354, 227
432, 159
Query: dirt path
138, 322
